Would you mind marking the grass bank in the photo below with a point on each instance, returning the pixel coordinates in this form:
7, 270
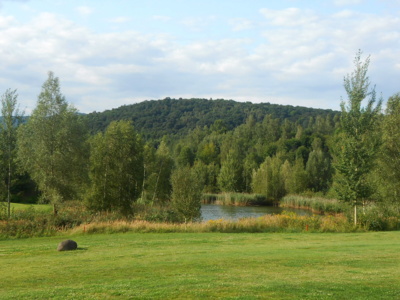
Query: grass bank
209, 265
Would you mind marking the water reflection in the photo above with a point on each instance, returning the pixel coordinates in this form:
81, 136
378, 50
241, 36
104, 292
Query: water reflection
227, 212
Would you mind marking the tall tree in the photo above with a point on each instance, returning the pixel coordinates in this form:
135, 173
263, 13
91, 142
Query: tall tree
294, 177
158, 165
187, 190
268, 179
116, 168
230, 178
318, 168
165, 164
51, 145
357, 143
390, 155
11, 119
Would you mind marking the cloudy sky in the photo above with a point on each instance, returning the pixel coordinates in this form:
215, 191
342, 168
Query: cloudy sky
110, 53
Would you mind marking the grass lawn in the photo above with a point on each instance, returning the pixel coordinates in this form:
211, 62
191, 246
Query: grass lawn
204, 265
39, 207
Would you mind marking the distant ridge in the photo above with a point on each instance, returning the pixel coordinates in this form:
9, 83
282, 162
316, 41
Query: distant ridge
156, 118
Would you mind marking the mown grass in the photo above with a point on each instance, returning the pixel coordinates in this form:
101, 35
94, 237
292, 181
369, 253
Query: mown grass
39, 207
207, 265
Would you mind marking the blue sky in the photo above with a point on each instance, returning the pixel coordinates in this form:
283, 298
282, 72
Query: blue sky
111, 53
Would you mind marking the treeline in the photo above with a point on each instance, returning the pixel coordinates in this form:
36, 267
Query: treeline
176, 117
353, 156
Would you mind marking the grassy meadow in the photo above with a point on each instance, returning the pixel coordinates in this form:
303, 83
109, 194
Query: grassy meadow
204, 265
23, 206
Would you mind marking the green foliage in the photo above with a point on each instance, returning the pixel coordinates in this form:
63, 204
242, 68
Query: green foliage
208, 174
356, 146
186, 157
380, 217
186, 195
294, 177
230, 178
317, 204
389, 164
116, 168
51, 145
157, 118
164, 165
11, 119
318, 168
268, 181
236, 199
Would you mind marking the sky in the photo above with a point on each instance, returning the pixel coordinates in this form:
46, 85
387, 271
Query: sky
112, 53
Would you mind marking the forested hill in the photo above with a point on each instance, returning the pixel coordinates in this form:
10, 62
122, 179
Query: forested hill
156, 118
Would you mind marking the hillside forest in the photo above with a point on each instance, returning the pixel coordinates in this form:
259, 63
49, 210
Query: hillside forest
170, 154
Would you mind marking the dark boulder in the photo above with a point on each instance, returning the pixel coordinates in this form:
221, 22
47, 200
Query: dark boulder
67, 245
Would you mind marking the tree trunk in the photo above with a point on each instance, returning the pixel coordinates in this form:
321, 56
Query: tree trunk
355, 214
9, 190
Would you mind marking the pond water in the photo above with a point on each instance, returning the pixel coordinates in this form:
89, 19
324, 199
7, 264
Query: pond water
227, 212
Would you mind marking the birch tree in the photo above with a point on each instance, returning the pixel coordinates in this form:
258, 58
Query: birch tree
116, 168
11, 119
51, 145
357, 143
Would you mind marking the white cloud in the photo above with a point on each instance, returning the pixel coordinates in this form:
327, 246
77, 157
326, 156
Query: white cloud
84, 10
120, 20
198, 23
299, 58
289, 17
240, 24
347, 2
162, 18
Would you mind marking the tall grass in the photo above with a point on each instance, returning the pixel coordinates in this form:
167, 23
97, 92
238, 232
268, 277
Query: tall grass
237, 199
286, 222
371, 216
316, 204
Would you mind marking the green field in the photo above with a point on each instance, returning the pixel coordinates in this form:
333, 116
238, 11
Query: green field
22, 206
204, 265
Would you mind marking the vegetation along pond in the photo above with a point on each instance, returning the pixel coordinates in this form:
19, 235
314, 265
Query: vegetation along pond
231, 212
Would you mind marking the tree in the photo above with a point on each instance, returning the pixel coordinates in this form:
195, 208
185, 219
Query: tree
186, 157
11, 119
158, 165
187, 190
390, 154
165, 164
51, 145
294, 177
318, 168
268, 180
116, 168
357, 144
230, 178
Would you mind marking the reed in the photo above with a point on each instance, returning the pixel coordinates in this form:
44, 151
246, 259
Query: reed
316, 204
286, 222
237, 199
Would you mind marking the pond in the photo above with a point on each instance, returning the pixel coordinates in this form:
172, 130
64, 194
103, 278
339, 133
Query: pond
227, 212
